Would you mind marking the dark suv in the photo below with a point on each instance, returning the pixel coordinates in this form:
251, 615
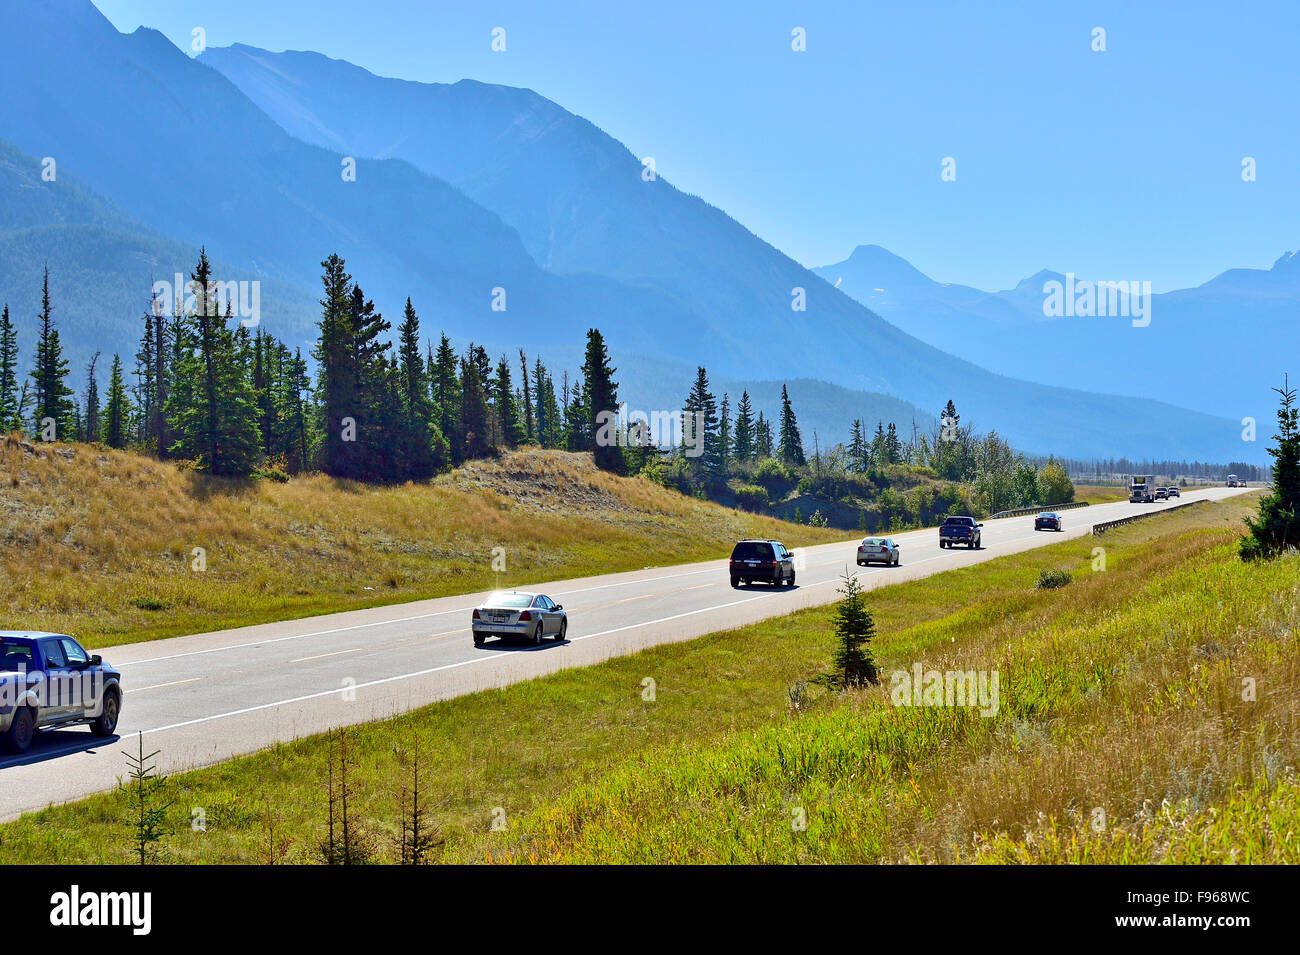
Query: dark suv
764, 560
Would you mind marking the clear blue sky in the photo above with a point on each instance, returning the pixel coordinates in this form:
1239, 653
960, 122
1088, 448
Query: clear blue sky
1122, 164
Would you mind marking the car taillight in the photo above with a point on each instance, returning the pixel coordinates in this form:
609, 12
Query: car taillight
525, 616
476, 614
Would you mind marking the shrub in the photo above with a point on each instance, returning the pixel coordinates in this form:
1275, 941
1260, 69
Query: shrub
1051, 579
751, 497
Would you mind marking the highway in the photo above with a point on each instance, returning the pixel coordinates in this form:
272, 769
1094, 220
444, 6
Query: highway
203, 698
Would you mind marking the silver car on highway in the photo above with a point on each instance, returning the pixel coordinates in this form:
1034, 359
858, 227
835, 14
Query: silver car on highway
521, 615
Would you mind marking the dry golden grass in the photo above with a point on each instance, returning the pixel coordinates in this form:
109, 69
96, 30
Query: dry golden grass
100, 543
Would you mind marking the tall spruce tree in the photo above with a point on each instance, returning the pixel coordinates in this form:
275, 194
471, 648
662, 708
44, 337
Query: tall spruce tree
700, 424
744, 429
507, 408
474, 414
91, 432
337, 378
117, 410
600, 394
212, 407
51, 394
857, 447
763, 446
422, 443
724, 434
530, 424
790, 448
10, 414
445, 387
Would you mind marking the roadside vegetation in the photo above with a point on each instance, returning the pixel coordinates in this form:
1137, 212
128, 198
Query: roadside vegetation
102, 543
1124, 692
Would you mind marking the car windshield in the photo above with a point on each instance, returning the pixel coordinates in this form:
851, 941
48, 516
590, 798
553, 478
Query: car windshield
958, 522
752, 550
15, 655
507, 599
874, 541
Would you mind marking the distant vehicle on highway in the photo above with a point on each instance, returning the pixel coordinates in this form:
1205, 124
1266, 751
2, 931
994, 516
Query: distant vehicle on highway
760, 559
48, 680
1141, 489
1162, 494
521, 615
1234, 481
960, 530
1048, 520
1172, 491
878, 550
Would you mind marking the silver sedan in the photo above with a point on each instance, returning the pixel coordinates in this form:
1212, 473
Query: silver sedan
878, 550
515, 613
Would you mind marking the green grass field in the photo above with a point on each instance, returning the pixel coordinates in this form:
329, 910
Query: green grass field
1120, 693
101, 543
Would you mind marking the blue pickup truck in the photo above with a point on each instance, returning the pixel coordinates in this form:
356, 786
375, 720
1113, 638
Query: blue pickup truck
48, 680
960, 530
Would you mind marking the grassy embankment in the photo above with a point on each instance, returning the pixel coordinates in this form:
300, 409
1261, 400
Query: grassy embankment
1120, 692
100, 543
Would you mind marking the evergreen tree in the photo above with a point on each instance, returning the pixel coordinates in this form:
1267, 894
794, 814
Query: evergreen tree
854, 630
548, 406
10, 415
91, 432
1277, 526
117, 411
700, 424
857, 448
421, 442
600, 394
530, 422
880, 446
507, 410
763, 446
744, 442
724, 434
51, 394
474, 415
445, 384
893, 447
212, 406
337, 378
790, 449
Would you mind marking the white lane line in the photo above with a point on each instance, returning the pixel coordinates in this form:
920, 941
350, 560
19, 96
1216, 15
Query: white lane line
159, 686
322, 656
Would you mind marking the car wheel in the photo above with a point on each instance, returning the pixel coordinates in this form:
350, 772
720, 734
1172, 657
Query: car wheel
537, 634
564, 629
21, 731
735, 581
792, 578
478, 640
106, 722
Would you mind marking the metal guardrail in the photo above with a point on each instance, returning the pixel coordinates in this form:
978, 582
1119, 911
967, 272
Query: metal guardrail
1020, 511
1099, 529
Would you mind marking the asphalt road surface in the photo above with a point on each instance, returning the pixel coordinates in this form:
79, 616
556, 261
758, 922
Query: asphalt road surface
203, 698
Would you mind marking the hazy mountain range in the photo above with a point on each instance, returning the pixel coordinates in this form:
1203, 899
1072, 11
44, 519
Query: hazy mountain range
1216, 348
465, 188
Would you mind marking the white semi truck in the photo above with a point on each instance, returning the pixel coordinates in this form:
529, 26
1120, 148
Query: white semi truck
1142, 489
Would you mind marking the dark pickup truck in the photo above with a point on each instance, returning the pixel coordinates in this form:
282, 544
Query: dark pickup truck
960, 530
49, 680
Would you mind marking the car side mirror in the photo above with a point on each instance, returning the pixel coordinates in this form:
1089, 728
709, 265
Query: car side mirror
559, 606
96, 660
979, 525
